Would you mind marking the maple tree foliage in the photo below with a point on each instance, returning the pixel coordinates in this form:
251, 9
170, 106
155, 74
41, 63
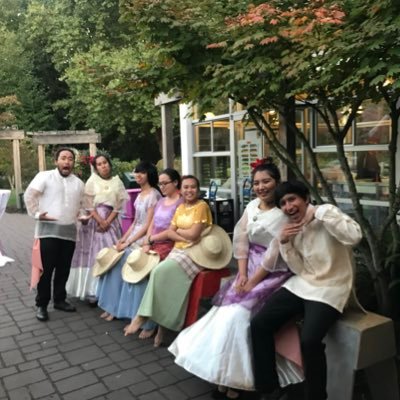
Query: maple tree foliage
331, 55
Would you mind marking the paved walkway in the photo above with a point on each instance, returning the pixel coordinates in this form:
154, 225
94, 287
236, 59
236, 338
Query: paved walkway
76, 355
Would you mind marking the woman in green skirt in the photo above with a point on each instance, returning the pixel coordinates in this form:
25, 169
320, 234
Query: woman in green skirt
166, 297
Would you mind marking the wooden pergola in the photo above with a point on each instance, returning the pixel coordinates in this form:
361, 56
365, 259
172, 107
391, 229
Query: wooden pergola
41, 139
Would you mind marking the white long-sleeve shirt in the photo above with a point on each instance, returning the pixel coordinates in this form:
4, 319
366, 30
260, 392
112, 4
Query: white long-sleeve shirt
321, 257
60, 197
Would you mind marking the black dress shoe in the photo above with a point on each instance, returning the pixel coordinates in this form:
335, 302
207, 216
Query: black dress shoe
41, 314
64, 306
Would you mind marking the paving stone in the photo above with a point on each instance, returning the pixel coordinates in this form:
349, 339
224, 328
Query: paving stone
7, 344
77, 344
163, 378
121, 355
173, 393
23, 336
41, 389
12, 357
30, 349
67, 337
194, 387
56, 366
143, 387
19, 394
23, 378
124, 379
28, 365
108, 370
36, 339
146, 358
96, 363
9, 331
51, 359
179, 372
7, 371
152, 396
123, 394
151, 368
112, 347
77, 326
127, 364
65, 373
41, 353
83, 355
76, 382
86, 393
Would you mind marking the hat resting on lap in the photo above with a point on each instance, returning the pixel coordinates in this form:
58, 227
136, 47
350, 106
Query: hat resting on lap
138, 265
213, 251
106, 258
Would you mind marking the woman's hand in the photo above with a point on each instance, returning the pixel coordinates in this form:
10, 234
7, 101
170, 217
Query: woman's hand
240, 283
121, 246
103, 225
146, 248
248, 287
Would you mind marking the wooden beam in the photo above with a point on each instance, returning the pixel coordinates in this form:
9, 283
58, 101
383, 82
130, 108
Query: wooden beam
66, 137
167, 135
42, 157
10, 134
17, 172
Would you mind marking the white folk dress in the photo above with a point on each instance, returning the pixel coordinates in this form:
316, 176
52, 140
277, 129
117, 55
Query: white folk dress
217, 348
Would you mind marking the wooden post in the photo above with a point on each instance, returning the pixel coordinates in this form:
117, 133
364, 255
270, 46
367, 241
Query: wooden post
167, 136
42, 157
17, 172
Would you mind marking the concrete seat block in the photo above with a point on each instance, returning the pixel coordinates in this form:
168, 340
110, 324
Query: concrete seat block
362, 341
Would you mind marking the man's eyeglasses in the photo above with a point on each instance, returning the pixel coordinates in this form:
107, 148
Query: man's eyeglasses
162, 184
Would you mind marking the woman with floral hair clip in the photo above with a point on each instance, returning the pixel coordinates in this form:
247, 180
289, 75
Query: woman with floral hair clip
217, 347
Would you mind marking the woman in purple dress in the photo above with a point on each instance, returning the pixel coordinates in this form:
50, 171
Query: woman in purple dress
105, 197
216, 348
157, 240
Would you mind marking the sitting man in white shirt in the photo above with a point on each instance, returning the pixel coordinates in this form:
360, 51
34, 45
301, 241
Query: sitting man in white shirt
317, 246
54, 198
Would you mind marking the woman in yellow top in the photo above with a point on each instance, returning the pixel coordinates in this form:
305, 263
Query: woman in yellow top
166, 296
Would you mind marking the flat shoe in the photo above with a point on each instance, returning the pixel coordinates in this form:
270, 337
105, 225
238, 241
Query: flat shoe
64, 306
42, 314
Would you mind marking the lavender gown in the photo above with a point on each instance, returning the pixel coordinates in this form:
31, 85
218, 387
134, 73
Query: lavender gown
217, 347
81, 283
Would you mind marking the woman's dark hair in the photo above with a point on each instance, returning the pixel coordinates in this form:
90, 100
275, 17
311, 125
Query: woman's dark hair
184, 177
59, 150
269, 166
173, 175
291, 187
98, 156
150, 169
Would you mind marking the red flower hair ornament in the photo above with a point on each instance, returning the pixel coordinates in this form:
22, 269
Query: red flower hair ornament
260, 161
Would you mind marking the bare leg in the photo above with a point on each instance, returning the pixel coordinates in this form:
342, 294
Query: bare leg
146, 333
135, 325
159, 337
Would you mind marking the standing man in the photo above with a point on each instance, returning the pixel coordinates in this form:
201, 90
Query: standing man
316, 245
54, 198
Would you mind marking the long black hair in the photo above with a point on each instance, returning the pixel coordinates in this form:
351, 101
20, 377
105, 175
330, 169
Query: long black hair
269, 166
150, 169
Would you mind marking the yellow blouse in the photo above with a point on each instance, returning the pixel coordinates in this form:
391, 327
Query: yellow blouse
185, 217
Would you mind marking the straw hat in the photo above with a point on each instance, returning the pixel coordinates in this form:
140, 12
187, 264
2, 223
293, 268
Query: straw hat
106, 258
213, 251
138, 265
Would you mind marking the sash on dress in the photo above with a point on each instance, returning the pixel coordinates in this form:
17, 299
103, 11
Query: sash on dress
37, 266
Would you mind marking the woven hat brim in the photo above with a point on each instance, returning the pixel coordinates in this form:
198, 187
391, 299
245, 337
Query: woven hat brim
99, 270
131, 276
197, 255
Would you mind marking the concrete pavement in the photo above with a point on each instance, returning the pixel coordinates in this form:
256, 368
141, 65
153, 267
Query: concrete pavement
74, 355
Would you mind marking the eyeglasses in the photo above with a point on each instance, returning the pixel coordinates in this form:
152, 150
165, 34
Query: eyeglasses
162, 184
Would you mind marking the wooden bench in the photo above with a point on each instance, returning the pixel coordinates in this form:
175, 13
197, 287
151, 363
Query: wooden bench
205, 285
362, 341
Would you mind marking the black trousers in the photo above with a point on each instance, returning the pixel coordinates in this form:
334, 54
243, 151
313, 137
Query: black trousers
56, 256
279, 309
